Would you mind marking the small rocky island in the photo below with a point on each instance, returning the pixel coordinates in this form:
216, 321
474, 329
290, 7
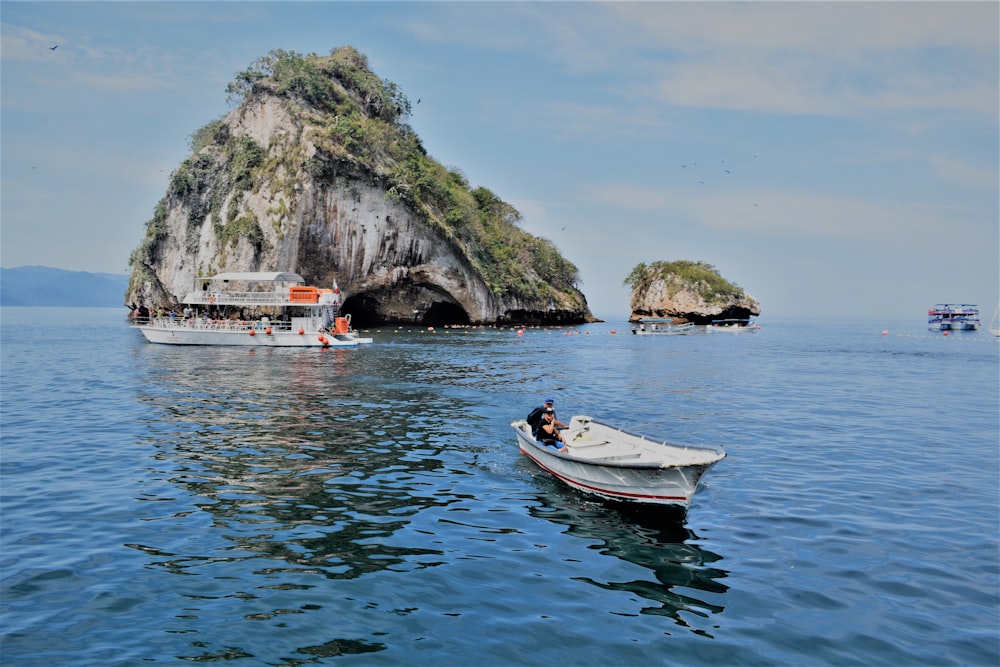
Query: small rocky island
316, 171
686, 291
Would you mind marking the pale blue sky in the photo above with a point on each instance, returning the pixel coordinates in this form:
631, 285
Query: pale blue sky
830, 158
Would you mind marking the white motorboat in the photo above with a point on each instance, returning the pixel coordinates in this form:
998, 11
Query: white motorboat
661, 326
229, 309
733, 326
617, 465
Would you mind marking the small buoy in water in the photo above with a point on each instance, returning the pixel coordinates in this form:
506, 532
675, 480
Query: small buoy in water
945, 333
885, 332
520, 332
613, 331
430, 328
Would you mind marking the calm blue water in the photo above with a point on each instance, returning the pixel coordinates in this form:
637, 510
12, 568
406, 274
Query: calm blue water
285, 507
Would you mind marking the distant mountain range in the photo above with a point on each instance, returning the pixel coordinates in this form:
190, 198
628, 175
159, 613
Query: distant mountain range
45, 286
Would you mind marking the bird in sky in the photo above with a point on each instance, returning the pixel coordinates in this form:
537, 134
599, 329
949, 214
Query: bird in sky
53, 47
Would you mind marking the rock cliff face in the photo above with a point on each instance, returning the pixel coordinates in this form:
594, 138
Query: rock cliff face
314, 172
687, 292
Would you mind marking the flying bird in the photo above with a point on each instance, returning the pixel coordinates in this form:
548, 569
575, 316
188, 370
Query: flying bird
53, 47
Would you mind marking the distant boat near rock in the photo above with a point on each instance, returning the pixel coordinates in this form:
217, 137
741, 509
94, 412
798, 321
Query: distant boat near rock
733, 326
661, 326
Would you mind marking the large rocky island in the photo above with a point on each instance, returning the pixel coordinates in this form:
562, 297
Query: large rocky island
686, 291
316, 171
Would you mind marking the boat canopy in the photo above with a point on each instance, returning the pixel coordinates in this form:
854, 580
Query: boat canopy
258, 276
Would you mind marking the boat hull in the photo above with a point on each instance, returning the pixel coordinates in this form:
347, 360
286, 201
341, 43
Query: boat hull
610, 471
182, 334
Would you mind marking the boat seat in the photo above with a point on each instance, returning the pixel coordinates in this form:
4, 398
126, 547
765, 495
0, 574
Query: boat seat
589, 444
619, 457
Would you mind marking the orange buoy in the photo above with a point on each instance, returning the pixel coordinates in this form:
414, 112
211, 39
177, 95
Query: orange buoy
302, 331
252, 332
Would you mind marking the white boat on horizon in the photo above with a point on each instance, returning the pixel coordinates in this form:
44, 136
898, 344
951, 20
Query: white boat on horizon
259, 309
613, 464
733, 326
954, 317
661, 326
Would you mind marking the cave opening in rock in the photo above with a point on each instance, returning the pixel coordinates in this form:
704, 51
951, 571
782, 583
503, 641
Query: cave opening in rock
365, 313
363, 310
441, 313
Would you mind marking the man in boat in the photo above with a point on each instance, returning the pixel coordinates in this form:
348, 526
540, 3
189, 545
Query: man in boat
534, 418
548, 433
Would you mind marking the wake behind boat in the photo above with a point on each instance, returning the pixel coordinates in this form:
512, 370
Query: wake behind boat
261, 309
617, 465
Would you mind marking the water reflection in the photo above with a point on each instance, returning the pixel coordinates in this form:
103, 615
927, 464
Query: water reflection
292, 466
684, 581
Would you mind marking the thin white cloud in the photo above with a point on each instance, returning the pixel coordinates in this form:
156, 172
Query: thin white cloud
820, 58
964, 173
796, 214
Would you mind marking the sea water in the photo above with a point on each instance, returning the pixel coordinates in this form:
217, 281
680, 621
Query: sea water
167, 505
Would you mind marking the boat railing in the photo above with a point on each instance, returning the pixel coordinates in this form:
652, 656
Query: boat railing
224, 298
208, 324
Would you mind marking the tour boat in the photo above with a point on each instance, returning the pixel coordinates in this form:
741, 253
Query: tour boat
661, 326
954, 317
258, 309
733, 326
613, 464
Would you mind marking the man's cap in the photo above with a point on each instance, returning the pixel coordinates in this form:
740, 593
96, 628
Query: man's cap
550, 400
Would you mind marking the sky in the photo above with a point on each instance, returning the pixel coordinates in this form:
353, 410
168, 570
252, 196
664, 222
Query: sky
833, 159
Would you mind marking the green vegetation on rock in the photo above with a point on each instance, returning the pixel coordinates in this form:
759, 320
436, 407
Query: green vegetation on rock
700, 278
